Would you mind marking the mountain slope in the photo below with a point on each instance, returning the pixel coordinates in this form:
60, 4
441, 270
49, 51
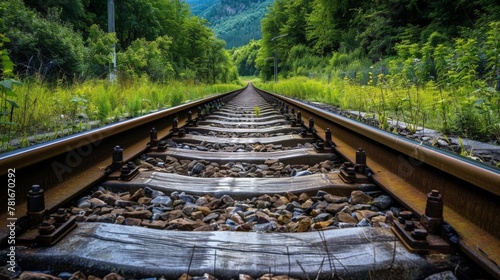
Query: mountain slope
235, 21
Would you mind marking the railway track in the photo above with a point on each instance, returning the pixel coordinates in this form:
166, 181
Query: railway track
242, 183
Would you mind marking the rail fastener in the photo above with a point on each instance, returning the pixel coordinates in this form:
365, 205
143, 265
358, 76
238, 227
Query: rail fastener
425, 235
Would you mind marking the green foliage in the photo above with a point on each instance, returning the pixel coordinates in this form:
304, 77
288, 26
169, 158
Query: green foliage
58, 111
236, 22
98, 52
145, 57
244, 58
7, 94
41, 45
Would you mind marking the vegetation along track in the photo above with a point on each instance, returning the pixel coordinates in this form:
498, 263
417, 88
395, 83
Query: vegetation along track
251, 187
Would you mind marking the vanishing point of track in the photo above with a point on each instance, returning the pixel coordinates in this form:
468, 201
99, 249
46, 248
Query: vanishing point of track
405, 169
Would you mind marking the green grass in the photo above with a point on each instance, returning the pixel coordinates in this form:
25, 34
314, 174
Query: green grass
63, 110
447, 110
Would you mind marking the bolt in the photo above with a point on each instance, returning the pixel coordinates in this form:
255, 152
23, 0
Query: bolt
328, 135
434, 207
36, 199
153, 137
311, 124
117, 154
360, 157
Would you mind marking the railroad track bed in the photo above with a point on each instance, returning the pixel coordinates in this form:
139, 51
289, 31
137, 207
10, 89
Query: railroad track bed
243, 192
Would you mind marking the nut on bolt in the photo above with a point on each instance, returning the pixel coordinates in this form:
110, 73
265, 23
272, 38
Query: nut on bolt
433, 217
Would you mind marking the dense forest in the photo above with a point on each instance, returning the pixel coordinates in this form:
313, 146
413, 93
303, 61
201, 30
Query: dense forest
433, 63
322, 34
69, 40
236, 22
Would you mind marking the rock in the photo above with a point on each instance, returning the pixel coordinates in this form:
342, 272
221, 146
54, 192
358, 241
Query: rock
264, 227
322, 217
442, 143
119, 220
182, 224
281, 201
362, 214
139, 214
210, 217
92, 277
291, 197
132, 221
96, 202
244, 227
342, 217
172, 215
304, 224
84, 204
205, 210
162, 199
124, 203
334, 199
158, 224
245, 277
109, 198
27, 275
78, 276
107, 218
303, 173
149, 192
303, 197
188, 209
271, 162
113, 276
378, 220
197, 215
335, 207
187, 198
307, 204
147, 166
285, 218
144, 200
322, 224
185, 276
197, 168
359, 197
382, 202
364, 223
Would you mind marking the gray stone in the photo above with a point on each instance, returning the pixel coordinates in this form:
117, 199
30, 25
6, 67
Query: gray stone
162, 199
198, 169
264, 227
382, 202
364, 223
303, 173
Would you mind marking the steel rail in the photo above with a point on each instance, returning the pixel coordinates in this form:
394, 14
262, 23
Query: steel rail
409, 170
65, 167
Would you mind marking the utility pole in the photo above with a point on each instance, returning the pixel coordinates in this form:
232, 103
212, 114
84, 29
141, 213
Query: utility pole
276, 58
111, 29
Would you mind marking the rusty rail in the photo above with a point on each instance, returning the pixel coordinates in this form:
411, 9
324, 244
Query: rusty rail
409, 171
